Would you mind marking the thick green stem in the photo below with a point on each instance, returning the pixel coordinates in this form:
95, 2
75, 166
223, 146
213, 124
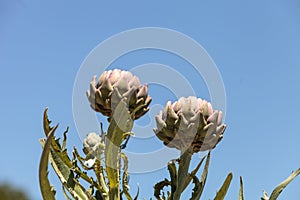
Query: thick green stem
183, 169
120, 124
112, 157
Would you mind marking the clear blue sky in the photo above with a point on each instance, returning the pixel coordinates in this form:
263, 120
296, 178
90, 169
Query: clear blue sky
255, 44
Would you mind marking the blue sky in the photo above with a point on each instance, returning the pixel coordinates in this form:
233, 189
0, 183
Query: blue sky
255, 45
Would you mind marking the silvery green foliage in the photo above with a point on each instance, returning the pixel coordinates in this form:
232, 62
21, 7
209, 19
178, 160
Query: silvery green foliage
190, 122
189, 125
114, 86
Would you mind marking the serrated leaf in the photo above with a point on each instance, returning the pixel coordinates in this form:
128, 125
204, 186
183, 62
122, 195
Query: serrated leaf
137, 194
223, 190
66, 176
65, 193
183, 168
63, 154
64, 144
46, 123
98, 169
241, 192
265, 196
193, 173
196, 189
159, 187
46, 189
55, 142
276, 192
204, 175
125, 184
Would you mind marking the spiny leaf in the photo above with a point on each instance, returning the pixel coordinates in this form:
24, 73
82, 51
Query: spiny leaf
276, 192
265, 197
193, 173
98, 169
125, 185
137, 194
183, 168
204, 175
46, 123
196, 189
66, 177
159, 187
65, 193
64, 144
241, 193
63, 154
47, 128
46, 189
223, 190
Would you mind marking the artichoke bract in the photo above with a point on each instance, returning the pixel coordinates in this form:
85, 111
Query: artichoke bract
115, 86
190, 122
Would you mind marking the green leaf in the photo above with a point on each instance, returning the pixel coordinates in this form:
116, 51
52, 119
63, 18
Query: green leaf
98, 169
65, 193
276, 192
54, 143
63, 154
223, 190
66, 177
193, 173
125, 184
159, 187
137, 194
204, 175
65, 173
64, 144
265, 197
241, 192
196, 189
46, 123
46, 189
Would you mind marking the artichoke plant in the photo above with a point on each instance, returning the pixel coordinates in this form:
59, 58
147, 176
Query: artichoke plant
114, 86
190, 122
189, 125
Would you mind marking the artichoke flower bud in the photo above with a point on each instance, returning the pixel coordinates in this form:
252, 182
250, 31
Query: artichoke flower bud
93, 145
114, 86
190, 122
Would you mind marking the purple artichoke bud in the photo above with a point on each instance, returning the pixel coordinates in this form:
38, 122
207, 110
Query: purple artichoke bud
190, 122
93, 144
114, 86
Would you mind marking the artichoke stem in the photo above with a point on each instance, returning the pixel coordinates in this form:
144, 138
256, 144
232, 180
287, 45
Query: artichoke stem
184, 164
112, 158
120, 124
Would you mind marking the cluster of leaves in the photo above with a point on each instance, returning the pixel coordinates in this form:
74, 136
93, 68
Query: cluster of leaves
199, 184
192, 177
70, 173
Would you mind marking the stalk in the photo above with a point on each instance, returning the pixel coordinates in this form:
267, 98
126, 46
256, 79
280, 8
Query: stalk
183, 169
120, 124
112, 157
